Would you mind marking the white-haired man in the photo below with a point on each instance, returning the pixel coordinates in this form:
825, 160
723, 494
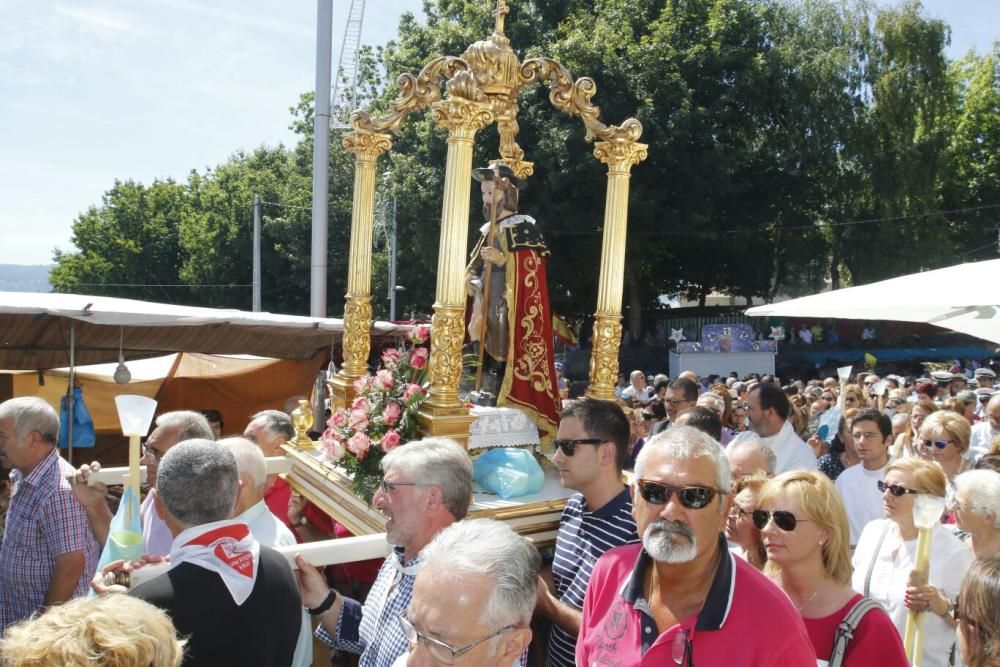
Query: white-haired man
426, 487
681, 598
985, 431
48, 553
171, 428
750, 455
488, 624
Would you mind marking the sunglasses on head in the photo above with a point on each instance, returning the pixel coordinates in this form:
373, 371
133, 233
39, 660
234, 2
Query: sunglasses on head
940, 444
783, 519
568, 446
894, 489
691, 497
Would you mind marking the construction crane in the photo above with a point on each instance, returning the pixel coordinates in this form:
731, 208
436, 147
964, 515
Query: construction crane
344, 100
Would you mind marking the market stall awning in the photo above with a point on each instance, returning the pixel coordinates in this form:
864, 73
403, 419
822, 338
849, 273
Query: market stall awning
963, 298
35, 330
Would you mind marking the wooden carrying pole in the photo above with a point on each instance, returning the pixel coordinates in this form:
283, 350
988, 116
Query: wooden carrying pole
487, 272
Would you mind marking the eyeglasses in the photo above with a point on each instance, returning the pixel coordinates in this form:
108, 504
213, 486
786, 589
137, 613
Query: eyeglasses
647, 416
783, 519
152, 453
738, 512
568, 446
895, 489
682, 650
441, 651
940, 444
691, 497
389, 487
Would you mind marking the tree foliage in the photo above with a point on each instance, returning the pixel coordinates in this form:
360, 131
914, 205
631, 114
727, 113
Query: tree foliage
789, 143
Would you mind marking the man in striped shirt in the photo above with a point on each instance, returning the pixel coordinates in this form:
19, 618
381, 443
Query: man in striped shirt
590, 447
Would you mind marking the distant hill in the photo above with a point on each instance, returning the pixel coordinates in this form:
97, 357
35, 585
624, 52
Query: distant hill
25, 278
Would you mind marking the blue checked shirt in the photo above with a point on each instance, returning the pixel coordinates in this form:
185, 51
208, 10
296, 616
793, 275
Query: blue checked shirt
372, 630
44, 521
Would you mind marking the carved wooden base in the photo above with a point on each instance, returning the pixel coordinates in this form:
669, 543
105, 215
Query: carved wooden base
341, 391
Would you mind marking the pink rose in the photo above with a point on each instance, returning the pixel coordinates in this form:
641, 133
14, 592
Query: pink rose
389, 440
360, 384
332, 447
384, 380
390, 356
359, 419
358, 445
392, 413
418, 357
420, 333
338, 419
359, 403
412, 390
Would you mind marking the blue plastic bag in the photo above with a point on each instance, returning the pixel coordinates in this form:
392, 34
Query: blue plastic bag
125, 533
83, 424
508, 472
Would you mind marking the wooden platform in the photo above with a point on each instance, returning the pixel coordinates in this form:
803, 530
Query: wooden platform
534, 516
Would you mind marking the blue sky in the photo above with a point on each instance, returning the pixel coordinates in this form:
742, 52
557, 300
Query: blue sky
93, 90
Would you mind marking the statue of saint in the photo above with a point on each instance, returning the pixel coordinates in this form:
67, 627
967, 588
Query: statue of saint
510, 315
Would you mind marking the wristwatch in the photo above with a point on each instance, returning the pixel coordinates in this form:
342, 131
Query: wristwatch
325, 604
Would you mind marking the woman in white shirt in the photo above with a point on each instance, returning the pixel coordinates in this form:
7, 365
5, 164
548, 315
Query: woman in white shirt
886, 554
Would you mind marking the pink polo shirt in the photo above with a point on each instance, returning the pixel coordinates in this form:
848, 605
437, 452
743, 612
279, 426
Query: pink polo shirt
746, 620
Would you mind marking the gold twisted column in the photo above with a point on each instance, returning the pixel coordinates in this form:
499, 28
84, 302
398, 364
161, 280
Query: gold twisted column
442, 413
620, 155
367, 148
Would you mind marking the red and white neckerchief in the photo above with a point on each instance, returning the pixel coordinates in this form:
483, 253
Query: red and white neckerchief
224, 547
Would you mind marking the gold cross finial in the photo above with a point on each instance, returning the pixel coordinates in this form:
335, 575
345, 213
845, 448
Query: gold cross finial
500, 12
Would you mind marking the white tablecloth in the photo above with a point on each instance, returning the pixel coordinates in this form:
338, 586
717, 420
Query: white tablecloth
501, 427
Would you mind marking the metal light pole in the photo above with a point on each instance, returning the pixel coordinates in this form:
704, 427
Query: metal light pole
256, 254
321, 158
392, 265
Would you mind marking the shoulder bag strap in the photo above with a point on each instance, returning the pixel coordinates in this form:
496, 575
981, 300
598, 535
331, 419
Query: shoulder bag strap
871, 565
845, 631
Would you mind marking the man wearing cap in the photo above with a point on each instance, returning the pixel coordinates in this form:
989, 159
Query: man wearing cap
943, 381
985, 377
514, 289
984, 432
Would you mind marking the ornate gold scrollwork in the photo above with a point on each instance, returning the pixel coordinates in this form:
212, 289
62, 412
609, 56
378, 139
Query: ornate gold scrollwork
573, 97
448, 325
415, 93
357, 334
621, 155
604, 356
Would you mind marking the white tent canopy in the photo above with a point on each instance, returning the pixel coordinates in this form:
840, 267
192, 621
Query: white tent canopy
963, 298
35, 330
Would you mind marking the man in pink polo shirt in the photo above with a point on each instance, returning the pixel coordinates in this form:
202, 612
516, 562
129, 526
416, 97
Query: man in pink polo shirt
680, 597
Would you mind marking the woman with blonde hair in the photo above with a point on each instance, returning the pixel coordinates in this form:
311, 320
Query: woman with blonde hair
806, 535
107, 631
906, 446
944, 439
886, 555
740, 530
853, 397
978, 614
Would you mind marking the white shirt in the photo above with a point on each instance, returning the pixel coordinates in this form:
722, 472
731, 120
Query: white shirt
950, 558
271, 532
789, 449
979, 444
858, 488
268, 529
643, 395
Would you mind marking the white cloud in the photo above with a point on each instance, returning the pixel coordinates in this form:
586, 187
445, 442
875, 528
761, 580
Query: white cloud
96, 21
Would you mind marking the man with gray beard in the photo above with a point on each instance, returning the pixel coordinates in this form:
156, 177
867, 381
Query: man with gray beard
680, 597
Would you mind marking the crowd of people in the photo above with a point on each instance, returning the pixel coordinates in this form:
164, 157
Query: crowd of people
725, 522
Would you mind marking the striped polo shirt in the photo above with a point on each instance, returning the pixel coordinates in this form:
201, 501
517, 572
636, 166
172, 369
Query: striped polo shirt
583, 537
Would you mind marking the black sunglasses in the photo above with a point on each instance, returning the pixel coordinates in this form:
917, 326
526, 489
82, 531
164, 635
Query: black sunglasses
783, 519
691, 497
569, 445
940, 444
894, 489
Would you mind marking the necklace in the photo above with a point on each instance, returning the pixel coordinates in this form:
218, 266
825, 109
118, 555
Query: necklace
811, 598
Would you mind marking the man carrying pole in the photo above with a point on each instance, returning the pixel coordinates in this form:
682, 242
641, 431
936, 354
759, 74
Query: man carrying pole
511, 318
